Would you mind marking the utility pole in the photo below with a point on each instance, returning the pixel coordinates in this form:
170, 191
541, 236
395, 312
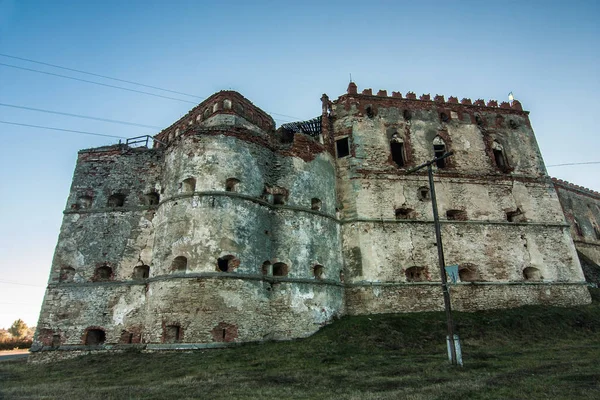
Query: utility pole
440, 248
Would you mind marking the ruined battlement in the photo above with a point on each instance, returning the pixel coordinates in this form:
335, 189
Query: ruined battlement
576, 188
425, 100
225, 102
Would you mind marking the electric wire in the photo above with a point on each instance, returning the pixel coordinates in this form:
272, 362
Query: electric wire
96, 83
100, 76
81, 116
581, 163
62, 130
118, 80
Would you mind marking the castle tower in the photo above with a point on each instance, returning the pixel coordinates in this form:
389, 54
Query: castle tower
225, 231
501, 220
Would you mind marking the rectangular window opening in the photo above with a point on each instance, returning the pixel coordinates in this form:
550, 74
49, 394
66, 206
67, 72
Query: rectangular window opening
438, 151
398, 153
342, 147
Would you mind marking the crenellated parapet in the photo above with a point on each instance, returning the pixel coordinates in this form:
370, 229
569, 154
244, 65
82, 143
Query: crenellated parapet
225, 102
576, 188
426, 99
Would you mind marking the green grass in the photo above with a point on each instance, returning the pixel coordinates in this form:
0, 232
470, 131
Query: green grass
524, 353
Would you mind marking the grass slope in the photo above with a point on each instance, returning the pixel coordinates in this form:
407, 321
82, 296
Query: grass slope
523, 353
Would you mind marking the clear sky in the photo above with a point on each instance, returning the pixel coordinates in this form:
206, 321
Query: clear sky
282, 56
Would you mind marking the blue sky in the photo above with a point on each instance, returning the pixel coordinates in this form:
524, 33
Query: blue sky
282, 56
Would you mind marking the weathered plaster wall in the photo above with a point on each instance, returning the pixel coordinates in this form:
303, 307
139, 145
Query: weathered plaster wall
380, 244
581, 208
178, 203
96, 233
230, 231
378, 299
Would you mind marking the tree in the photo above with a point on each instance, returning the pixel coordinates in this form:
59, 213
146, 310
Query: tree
18, 329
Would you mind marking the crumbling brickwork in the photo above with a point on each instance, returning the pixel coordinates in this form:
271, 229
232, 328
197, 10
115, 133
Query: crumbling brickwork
228, 230
500, 214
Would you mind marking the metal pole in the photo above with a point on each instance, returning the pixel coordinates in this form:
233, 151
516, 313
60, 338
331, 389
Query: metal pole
440, 249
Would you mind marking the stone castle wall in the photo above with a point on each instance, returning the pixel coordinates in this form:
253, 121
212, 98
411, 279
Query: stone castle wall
217, 236
231, 231
581, 208
501, 219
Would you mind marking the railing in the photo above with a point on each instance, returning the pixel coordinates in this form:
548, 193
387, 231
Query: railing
142, 141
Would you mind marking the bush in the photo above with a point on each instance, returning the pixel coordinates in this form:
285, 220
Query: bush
11, 344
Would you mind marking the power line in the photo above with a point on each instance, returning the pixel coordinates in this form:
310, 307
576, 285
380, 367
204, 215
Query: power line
101, 76
81, 116
96, 83
118, 80
62, 130
581, 163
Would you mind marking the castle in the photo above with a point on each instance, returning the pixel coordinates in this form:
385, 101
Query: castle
229, 230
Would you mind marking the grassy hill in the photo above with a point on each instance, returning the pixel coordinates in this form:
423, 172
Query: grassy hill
523, 353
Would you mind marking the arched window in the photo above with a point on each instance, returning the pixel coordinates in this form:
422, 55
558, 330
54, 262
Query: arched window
94, 337
318, 271
179, 264
315, 204
596, 231
231, 185
280, 269
152, 198
532, 274
188, 185
266, 268
227, 104
397, 149
141, 272
499, 156
227, 263
416, 274
439, 149
103, 273
116, 200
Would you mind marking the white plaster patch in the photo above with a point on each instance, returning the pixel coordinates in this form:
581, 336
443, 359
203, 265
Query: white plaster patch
299, 299
121, 309
232, 299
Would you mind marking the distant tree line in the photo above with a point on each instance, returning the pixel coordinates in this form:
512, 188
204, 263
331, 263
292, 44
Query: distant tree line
18, 336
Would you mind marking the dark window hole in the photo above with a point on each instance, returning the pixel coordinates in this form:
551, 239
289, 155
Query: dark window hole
342, 147
280, 269
456, 215
95, 337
